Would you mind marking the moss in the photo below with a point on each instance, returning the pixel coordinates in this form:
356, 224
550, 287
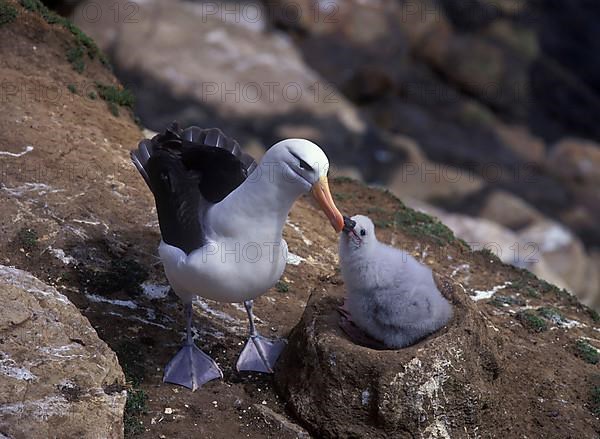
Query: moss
343, 179
132, 361
552, 314
115, 97
502, 301
27, 238
282, 286
532, 322
119, 96
531, 292
420, 224
114, 109
135, 406
587, 352
82, 42
75, 57
593, 314
8, 13
123, 275
72, 88
340, 196
595, 400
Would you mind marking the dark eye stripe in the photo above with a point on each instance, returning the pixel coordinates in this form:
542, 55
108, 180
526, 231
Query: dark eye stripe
303, 164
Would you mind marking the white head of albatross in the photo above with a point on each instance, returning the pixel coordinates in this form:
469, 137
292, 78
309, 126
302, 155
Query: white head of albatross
221, 218
288, 169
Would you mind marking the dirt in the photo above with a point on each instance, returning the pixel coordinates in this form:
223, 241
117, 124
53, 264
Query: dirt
80, 196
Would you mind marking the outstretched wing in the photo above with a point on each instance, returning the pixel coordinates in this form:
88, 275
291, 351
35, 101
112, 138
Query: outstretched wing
188, 171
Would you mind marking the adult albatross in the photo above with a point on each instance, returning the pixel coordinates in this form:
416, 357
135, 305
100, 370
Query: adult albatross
221, 218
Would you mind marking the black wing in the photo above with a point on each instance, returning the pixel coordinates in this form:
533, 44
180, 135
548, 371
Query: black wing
188, 171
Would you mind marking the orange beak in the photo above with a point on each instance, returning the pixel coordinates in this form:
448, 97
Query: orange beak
320, 191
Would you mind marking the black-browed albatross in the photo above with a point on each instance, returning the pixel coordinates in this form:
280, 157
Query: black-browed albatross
221, 219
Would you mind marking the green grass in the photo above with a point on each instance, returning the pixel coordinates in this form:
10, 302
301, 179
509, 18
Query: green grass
595, 400
500, 301
115, 97
8, 13
132, 361
75, 57
27, 238
593, 315
135, 406
282, 286
420, 224
120, 96
532, 322
552, 314
587, 352
83, 44
113, 108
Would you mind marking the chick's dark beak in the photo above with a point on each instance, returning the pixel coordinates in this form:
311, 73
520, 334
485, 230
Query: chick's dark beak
349, 225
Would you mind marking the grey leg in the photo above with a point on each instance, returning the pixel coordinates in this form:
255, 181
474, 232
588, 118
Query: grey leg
191, 367
259, 354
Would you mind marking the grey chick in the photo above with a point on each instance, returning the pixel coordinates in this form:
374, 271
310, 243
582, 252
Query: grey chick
391, 296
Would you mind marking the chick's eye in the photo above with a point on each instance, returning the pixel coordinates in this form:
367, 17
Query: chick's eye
363, 232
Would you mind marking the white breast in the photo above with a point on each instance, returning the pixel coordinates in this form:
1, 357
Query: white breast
226, 271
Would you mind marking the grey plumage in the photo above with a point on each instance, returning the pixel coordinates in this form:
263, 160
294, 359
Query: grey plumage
391, 296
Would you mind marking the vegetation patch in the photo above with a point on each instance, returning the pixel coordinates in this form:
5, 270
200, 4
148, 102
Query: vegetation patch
420, 224
83, 44
503, 301
132, 361
115, 97
532, 322
75, 57
135, 406
587, 352
282, 286
593, 315
72, 88
595, 400
8, 13
124, 275
552, 314
27, 238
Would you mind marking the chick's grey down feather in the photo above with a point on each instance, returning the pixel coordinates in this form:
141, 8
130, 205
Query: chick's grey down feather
391, 296
188, 171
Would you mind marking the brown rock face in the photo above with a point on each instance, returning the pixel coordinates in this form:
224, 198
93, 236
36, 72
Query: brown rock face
576, 160
56, 375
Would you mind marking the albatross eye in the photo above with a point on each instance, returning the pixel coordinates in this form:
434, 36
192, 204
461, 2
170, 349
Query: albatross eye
363, 232
302, 163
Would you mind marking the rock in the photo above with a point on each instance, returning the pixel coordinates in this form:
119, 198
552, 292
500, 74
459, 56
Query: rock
56, 376
287, 429
509, 211
563, 252
576, 160
433, 181
236, 74
527, 146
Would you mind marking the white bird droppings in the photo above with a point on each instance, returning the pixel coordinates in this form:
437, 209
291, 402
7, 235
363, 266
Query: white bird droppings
482, 295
